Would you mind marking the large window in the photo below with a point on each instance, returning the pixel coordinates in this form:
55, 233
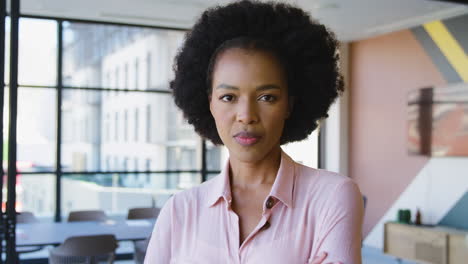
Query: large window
119, 145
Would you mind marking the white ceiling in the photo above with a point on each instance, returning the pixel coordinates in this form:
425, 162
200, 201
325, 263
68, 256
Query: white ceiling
350, 19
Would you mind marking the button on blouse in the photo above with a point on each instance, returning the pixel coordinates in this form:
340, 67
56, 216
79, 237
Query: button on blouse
269, 203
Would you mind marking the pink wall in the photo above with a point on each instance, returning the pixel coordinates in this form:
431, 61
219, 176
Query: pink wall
382, 71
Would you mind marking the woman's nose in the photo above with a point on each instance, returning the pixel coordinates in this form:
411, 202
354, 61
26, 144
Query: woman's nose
247, 113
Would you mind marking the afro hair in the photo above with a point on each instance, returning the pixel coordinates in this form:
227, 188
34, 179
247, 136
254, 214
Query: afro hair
306, 48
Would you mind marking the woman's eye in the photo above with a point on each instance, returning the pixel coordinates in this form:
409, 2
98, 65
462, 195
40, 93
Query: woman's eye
267, 98
227, 98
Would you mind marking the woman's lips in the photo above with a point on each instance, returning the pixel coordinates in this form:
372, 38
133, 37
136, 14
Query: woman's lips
246, 138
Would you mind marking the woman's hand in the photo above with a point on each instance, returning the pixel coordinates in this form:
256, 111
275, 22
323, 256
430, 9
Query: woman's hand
320, 258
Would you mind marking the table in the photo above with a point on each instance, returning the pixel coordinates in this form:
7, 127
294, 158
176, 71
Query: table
440, 245
43, 234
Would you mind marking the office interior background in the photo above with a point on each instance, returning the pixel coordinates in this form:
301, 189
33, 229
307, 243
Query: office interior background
97, 128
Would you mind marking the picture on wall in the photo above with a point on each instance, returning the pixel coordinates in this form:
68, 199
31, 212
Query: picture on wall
438, 121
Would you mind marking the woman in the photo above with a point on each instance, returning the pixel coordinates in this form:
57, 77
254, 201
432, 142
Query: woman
254, 76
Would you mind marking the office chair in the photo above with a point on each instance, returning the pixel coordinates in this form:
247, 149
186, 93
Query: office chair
88, 215
85, 249
143, 213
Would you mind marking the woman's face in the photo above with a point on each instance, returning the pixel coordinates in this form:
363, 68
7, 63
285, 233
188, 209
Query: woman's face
249, 102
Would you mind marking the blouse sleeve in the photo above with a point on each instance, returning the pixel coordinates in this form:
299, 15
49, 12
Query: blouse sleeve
340, 232
160, 245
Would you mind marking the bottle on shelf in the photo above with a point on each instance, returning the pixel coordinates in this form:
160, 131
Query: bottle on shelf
417, 220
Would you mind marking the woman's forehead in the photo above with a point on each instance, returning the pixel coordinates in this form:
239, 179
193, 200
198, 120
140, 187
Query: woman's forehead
239, 65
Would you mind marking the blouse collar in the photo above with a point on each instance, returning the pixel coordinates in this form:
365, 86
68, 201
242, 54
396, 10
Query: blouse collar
282, 188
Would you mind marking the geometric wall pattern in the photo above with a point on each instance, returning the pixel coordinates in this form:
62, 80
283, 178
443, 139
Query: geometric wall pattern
440, 190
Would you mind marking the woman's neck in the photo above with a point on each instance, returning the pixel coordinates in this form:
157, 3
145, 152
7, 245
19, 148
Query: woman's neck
247, 175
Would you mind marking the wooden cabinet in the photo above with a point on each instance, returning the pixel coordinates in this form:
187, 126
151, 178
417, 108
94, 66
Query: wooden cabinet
436, 245
458, 248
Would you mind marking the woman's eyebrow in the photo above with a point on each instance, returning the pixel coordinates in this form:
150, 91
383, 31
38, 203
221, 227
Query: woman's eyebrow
268, 87
260, 88
226, 86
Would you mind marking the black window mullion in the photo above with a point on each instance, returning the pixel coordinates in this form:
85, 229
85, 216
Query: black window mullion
2, 102
58, 161
204, 170
11, 255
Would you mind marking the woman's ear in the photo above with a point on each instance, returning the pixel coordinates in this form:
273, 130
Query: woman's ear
291, 100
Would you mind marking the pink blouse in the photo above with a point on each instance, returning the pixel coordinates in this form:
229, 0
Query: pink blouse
308, 211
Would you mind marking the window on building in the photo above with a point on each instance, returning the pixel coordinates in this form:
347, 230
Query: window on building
116, 128
135, 164
116, 163
109, 84
136, 129
109, 81
108, 127
126, 76
213, 157
125, 164
148, 123
73, 130
108, 163
82, 129
148, 169
125, 125
116, 80
86, 129
137, 74
148, 71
